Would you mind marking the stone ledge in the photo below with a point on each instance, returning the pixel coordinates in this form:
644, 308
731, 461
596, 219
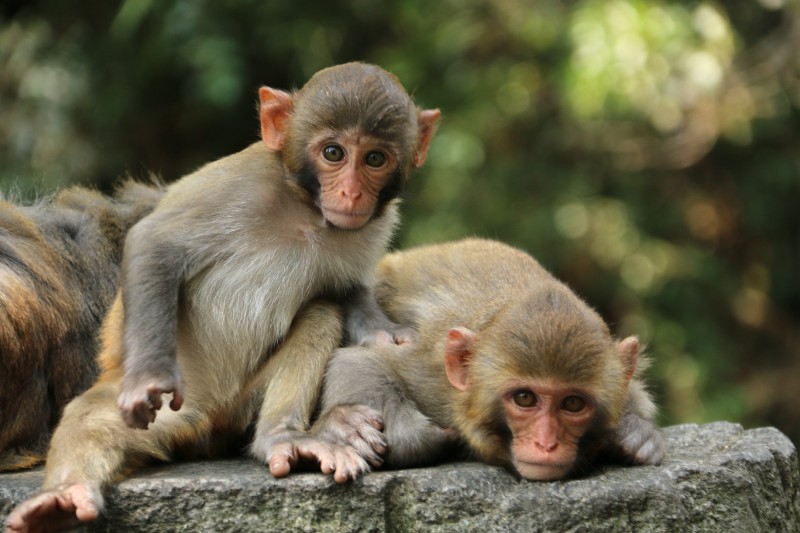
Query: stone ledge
717, 477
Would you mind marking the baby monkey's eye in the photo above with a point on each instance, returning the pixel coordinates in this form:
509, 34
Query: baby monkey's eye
375, 159
333, 153
573, 404
525, 398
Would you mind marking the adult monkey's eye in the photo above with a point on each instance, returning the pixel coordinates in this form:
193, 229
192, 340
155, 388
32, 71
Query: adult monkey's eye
573, 404
333, 152
375, 159
525, 398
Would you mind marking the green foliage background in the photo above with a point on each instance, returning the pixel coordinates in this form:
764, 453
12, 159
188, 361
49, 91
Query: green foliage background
646, 151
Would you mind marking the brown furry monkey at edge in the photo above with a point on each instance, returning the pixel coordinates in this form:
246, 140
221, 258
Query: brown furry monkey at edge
59, 269
217, 314
508, 362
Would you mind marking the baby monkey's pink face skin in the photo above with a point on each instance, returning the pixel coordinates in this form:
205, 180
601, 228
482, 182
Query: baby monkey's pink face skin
547, 420
352, 170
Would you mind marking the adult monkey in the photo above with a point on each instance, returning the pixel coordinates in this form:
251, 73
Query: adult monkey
508, 361
214, 277
59, 270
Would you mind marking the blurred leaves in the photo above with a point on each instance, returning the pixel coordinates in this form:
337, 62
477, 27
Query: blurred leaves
647, 151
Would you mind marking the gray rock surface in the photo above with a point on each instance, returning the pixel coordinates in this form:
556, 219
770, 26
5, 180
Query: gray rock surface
717, 477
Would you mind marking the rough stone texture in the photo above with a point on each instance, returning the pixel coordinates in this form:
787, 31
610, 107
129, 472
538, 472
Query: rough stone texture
717, 477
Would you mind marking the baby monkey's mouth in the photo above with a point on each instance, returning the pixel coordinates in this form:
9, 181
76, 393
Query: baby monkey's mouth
542, 471
346, 219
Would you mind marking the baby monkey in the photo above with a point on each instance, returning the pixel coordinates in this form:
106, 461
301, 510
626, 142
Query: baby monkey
508, 361
216, 315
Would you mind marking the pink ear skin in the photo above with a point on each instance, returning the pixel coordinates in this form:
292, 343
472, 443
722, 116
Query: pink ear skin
629, 350
274, 111
427, 127
457, 352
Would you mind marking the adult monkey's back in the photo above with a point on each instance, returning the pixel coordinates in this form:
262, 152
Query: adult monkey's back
59, 268
216, 275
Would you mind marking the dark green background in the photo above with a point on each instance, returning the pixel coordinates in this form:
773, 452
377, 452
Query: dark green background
647, 152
